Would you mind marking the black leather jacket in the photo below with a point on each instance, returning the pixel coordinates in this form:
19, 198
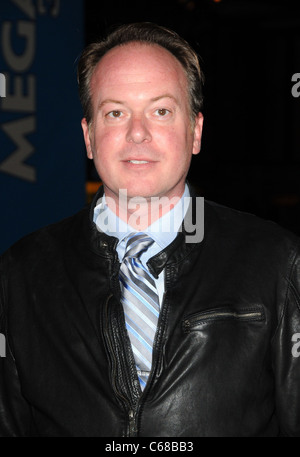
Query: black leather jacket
226, 354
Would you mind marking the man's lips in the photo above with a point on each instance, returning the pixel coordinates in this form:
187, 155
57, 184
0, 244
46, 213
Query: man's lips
139, 161
139, 165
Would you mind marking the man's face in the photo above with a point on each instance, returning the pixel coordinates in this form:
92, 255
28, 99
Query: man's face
141, 138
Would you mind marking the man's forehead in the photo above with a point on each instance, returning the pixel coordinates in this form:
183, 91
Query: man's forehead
136, 64
137, 60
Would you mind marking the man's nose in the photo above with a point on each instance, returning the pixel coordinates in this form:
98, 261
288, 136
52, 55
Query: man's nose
138, 131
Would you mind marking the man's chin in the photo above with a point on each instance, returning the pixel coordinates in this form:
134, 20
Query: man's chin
143, 193
137, 194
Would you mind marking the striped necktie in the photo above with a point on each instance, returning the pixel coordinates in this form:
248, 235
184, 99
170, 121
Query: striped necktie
140, 303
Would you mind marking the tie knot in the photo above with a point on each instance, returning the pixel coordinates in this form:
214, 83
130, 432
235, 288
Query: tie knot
137, 243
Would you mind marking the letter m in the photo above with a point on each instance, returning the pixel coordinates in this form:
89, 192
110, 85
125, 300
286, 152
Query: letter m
14, 163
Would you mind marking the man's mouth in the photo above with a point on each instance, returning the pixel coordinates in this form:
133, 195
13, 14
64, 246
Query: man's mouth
137, 161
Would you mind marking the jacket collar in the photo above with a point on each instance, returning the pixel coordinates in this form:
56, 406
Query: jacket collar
186, 239
105, 245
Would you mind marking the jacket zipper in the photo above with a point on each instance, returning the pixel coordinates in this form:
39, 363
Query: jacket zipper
200, 318
125, 401
131, 411
134, 412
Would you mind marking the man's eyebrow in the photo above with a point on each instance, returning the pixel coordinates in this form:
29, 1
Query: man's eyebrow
155, 99
110, 100
120, 102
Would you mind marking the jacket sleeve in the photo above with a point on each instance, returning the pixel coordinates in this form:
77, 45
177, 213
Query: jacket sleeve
15, 416
286, 345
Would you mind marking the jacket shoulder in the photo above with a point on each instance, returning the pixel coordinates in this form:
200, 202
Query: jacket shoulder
245, 224
261, 240
51, 236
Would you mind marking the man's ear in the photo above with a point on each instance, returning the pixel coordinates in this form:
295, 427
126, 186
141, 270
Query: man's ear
198, 133
86, 136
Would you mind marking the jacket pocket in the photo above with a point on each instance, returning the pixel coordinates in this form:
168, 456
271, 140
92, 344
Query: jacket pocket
195, 321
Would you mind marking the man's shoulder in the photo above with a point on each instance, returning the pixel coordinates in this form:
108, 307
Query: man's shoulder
232, 225
52, 236
228, 221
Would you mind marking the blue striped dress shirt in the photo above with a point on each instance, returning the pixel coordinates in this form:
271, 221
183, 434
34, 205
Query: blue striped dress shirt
163, 231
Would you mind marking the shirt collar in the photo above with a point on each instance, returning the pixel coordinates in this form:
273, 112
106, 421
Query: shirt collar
162, 231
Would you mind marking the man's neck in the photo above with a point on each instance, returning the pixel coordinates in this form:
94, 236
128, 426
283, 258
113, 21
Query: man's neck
140, 212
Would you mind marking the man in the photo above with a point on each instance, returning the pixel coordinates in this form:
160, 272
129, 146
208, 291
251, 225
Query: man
117, 326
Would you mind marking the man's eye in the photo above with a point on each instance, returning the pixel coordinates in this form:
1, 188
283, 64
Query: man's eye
114, 114
162, 112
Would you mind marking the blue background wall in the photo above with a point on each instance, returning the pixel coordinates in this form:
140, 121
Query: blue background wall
42, 158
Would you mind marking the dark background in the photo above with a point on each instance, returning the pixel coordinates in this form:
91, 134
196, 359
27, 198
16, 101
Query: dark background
250, 157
